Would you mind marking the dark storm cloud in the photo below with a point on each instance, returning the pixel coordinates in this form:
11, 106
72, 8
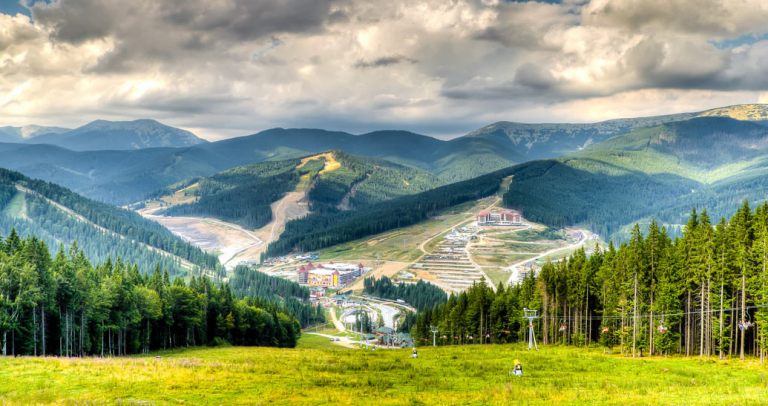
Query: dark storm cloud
384, 61
530, 75
76, 21
173, 31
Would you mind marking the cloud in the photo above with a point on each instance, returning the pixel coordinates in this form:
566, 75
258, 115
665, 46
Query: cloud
384, 61
712, 18
441, 68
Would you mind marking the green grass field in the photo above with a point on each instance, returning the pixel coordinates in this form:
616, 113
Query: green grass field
389, 245
535, 248
497, 275
500, 259
320, 375
309, 341
529, 235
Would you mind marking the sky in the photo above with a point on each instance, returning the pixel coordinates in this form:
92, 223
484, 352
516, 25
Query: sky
224, 68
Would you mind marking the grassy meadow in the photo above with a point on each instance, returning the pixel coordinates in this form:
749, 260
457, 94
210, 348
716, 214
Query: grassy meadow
318, 374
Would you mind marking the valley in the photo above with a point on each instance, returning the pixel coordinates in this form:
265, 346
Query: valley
464, 203
311, 246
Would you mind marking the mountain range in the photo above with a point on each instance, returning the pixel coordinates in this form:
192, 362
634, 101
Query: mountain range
713, 163
603, 174
121, 174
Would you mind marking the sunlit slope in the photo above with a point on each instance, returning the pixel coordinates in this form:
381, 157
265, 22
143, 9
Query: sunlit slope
467, 375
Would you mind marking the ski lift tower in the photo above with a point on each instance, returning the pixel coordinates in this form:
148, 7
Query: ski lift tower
531, 316
434, 331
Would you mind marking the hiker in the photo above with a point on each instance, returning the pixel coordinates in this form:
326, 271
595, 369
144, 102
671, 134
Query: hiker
518, 370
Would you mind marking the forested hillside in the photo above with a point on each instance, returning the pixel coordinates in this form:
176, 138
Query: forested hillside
360, 182
65, 306
713, 162
243, 195
704, 293
320, 230
601, 196
421, 295
105, 231
245, 282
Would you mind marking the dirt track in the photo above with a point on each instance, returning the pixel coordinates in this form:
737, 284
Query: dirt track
289, 207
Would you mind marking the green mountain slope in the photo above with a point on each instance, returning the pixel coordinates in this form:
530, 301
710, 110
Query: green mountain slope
334, 181
711, 162
537, 141
325, 229
126, 176
57, 215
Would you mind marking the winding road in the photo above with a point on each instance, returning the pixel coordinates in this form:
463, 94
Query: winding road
585, 235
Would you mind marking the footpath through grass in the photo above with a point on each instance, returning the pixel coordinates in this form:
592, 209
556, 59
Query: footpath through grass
469, 375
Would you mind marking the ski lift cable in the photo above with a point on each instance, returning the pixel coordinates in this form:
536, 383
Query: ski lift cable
648, 315
659, 316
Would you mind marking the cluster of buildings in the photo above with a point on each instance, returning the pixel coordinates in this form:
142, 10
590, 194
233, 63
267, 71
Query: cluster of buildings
329, 275
386, 336
504, 218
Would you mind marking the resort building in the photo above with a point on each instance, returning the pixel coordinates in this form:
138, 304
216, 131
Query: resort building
504, 218
329, 275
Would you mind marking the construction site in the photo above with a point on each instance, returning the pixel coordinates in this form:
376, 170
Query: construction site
449, 264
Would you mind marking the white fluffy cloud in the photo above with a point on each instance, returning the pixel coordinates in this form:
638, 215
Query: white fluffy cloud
231, 67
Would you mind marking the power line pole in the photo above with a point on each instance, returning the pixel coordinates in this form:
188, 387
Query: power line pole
434, 331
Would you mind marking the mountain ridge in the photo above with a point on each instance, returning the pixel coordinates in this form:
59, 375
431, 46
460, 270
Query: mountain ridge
120, 135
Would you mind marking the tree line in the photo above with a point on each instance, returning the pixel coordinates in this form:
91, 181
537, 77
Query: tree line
421, 295
320, 230
245, 282
704, 293
62, 305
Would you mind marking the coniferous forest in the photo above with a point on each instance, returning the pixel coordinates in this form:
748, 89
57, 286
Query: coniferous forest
320, 230
118, 230
62, 305
704, 293
421, 295
245, 282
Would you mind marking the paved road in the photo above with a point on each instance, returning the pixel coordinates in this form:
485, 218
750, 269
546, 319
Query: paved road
344, 342
514, 268
387, 313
